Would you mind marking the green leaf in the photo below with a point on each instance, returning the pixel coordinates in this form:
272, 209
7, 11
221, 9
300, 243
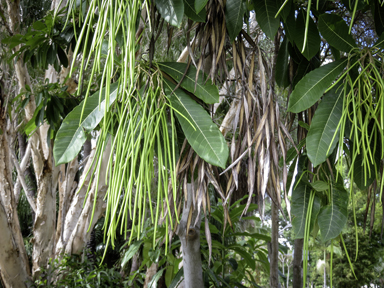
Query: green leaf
323, 127
335, 31
378, 15
202, 134
364, 178
13, 41
171, 10
133, 248
333, 217
292, 153
71, 135
199, 5
205, 90
155, 278
290, 26
335, 52
313, 38
247, 257
304, 125
190, 11
253, 236
263, 259
320, 186
282, 71
51, 55
177, 278
286, 10
62, 56
234, 13
303, 69
38, 25
312, 86
299, 208
265, 16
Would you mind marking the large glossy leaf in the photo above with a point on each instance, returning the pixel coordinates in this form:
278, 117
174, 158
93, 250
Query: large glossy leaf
171, 10
202, 134
282, 72
133, 248
265, 15
191, 13
313, 39
303, 69
205, 90
332, 218
199, 5
320, 186
363, 178
290, 26
299, 208
312, 86
335, 31
71, 135
323, 127
378, 16
292, 152
286, 10
234, 13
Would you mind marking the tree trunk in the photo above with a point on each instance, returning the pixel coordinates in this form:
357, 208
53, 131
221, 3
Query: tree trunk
325, 271
151, 271
288, 276
14, 267
190, 244
274, 248
297, 264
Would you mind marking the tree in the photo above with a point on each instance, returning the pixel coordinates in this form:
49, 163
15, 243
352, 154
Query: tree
155, 121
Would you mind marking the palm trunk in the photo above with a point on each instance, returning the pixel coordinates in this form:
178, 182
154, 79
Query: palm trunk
274, 248
190, 244
297, 264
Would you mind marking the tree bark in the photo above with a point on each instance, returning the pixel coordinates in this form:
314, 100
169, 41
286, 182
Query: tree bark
14, 267
274, 248
78, 220
297, 264
190, 244
151, 271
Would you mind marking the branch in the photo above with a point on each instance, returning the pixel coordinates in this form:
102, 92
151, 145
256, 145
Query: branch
21, 178
23, 167
4, 22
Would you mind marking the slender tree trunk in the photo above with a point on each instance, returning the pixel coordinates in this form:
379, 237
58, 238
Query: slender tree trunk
288, 276
274, 248
190, 244
297, 264
325, 271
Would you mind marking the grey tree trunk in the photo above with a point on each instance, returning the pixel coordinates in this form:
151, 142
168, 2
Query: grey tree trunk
190, 245
297, 264
274, 248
